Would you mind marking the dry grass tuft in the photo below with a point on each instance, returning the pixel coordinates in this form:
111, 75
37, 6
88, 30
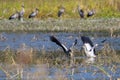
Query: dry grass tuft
24, 54
109, 55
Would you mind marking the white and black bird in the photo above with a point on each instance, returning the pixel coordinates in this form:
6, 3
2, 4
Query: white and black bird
14, 16
34, 13
21, 13
90, 13
88, 46
61, 11
80, 11
68, 51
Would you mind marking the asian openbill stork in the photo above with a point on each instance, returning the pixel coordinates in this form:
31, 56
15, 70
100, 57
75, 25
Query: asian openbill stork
61, 11
14, 16
21, 13
34, 13
68, 51
88, 46
80, 11
90, 13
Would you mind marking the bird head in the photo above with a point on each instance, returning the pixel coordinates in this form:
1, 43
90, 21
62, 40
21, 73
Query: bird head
37, 9
22, 6
70, 52
78, 6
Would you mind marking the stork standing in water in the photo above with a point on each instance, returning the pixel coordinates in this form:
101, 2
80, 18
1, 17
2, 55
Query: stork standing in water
80, 11
14, 16
68, 51
88, 46
34, 13
61, 11
21, 13
90, 13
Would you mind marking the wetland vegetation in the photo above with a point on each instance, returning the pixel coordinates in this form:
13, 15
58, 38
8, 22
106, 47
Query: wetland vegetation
20, 58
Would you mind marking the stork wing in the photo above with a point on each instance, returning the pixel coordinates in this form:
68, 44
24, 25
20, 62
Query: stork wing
59, 13
54, 39
86, 40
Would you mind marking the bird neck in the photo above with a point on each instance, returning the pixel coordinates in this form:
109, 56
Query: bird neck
23, 10
36, 11
94, 46
69, 52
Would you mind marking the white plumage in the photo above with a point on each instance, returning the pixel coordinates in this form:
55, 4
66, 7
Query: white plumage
33, 14
90, 13
88, 46
14, 16
89, 50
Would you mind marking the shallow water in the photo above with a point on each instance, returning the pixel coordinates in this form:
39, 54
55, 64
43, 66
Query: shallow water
75, 72
41, 40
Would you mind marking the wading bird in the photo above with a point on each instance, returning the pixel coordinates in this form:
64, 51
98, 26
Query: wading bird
68, 51
61, 11
34, 13
90, 13
80, 11
88, 46
21, 13
14, 16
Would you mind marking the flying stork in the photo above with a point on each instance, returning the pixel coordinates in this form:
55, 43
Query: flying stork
88, 46
68, 51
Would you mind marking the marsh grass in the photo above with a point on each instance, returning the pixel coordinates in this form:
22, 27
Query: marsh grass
49, 8
109, 26
16, 64
109, 55
26, 57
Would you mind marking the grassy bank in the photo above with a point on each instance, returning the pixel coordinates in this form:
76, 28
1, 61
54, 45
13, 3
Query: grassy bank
49, 8
107, 25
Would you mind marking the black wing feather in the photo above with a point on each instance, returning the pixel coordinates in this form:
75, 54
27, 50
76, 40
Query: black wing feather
81, 13
86, 40
54, 39
59, 13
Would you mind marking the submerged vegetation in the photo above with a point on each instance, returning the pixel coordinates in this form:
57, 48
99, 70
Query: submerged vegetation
49, 8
